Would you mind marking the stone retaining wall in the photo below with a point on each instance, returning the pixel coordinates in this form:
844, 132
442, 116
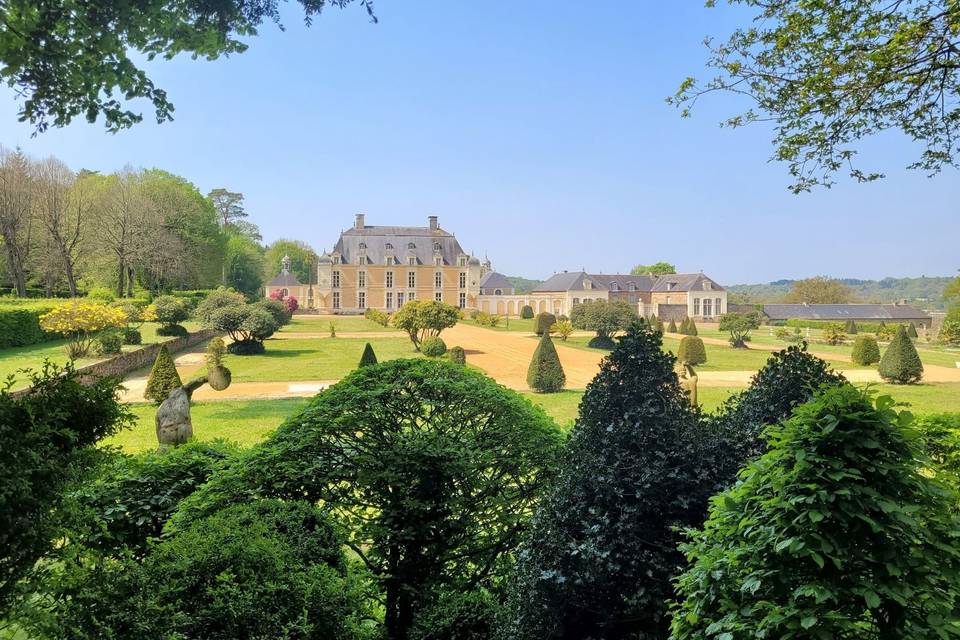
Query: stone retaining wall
133, 360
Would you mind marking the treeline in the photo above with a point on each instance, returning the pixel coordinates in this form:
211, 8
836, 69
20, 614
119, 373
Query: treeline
67, 233
923, 291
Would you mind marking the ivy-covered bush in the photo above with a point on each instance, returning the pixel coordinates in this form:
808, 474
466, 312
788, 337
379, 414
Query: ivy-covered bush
163, 377
901, 363
836, 532
433, 347
545, 373
691, 351
865, 350
543, 322
527, 312
368, 357
458, 356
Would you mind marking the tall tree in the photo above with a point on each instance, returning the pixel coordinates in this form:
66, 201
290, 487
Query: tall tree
68, 58
243, 265
303, 259
16, 214
829, 74
228, 205
657, 269
61, 207
819, 290
119, 220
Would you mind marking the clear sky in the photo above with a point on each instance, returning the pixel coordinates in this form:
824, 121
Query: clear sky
537, 131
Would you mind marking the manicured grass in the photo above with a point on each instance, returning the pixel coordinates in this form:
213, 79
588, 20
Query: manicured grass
344, 324
244, 421
313, 358
562, 406
506, 324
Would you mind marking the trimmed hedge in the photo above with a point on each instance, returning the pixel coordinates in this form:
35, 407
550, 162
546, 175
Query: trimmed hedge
865, 350
20, 327
433, 347
369, 358
163, 377
901, 362
868, 327
543, 322
692, 351
527, 312
457, 356
545, 373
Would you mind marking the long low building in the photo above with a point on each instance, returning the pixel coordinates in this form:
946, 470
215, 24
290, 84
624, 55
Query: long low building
891, 313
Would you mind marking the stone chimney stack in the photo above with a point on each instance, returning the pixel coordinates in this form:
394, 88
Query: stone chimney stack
433, 222
359, 223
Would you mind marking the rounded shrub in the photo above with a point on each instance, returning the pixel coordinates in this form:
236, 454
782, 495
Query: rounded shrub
527, 312
457, 356
433, 347
172, 331
108, 343
163, 377
246, 348
602, 342
692, 351
368, 357
545, 373
170, 310
900, 363
543, 322
132, 336
865, 350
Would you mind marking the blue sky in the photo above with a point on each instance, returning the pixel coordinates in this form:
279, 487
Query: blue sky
537, 131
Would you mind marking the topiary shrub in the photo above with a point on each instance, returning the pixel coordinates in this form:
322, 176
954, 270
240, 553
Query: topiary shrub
170, 311
368, 358
172, 331
912, 331
691, 328
684, 324
433, 347
108, 343
543, 322
833, 334
865, 350
836, 532
672, 327
131, 336
246, 348
691, 351
218, 376
527, 312
458, 356
602, 342
545, 373
900, 363
163, 377
851, 327
562, 328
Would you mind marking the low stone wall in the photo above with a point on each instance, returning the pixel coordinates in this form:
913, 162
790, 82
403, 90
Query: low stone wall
133, 360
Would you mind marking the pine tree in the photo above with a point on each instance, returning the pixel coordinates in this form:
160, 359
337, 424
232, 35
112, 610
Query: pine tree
901, 362
692, 328
865, 350
369, 357
602, 552
545, 373
672, 327
163, 377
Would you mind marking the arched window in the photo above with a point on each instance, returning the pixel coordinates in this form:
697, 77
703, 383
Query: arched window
497, 292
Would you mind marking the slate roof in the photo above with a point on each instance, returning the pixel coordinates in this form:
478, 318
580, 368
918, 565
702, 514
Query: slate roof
685, 282
284, 280
566, 281
623, 281
843, 312
377, 238
494, 280
574, 281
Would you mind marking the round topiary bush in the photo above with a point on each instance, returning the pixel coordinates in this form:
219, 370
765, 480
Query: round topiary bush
527, 312
602, 342
433, 347
108, 343
543, 322
172, 330
865, 350
246, 348
163, 377
457, 356
692, 351
132, 336
545, 373
901, 362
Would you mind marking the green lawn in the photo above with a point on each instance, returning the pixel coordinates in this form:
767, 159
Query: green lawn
562, 406
313, 358
32, 356
344, 324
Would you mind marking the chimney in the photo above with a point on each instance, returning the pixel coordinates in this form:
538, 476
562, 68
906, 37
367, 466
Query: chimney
433, 222
359, 223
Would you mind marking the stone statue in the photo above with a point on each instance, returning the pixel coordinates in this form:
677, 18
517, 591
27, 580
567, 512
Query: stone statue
688, 381
173, 417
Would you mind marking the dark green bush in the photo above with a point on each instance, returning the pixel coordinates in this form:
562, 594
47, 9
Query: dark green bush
543, 322
458, 356
171, 311
527, 312
433, 347
691, 351
21, 327
368, 358
108, 343
836, 532
163, 377
172, 331
901, 363
131, 336
865, 350
545, 373
683, 326
457, 616
602, 342
246, 348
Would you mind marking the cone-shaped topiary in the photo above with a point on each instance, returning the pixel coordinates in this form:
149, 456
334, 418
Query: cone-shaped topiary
912, 331
457, 355
865, 350
545, 373
163, 377
369, 357
837, 532
691, 328
851, 327
672, 327
901, 362
685, 326
543, 323
692, 351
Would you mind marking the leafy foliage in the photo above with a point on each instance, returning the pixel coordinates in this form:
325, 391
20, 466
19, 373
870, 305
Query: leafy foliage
431, 469
527, 312
469, 615
819, 290
836, 532
163, 377
425, 318
543, 322
303, 259
865, 350
602, 316
901, 363
46, 441
108, 342
457, 356
657, 269
562, 328
545, 373
80, 322
950, 331
833, 333
691, 351
433, 347
380, 317
368, 358
243, 265
602, 549
739, 325
221, 297
248, 325
170, 310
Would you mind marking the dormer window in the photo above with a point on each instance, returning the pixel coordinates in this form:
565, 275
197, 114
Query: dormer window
412, 260
363, 246
671, 286
411, 245
706, 286
632, 287
614, 286
438, 260
462, 261
436, 246
388, 247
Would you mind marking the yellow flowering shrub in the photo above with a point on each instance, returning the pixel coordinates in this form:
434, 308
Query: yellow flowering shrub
80, 321
150, 313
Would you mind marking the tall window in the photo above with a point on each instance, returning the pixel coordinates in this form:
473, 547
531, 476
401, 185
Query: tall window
389, 299
412, 295
438, 296
707, 307
438, 279
362, 300
411, 260
362, 279
336, 299
696, 306
389, 279
411, 279
463, 280
399, 299
463, 301
336, 279
716, 308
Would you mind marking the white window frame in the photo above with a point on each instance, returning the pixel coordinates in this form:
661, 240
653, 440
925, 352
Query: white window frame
336, 299
411, 279
389, 279
361, 299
